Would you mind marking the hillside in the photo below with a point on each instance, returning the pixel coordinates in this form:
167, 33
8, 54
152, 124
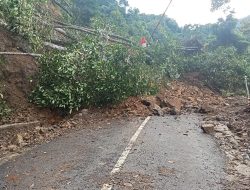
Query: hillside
93, 71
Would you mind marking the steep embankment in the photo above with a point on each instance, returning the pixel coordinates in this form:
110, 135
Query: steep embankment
17, 79
16, 71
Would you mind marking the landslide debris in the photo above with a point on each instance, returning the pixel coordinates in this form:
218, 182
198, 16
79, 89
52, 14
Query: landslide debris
230, 125
176, 98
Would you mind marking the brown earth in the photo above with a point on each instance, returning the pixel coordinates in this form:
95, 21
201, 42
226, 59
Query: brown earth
17, 80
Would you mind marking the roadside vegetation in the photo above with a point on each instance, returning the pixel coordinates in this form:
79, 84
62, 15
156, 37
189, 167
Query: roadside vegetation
93, 71
93, 74
4, 109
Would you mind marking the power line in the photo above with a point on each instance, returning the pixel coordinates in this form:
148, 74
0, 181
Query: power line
152, 35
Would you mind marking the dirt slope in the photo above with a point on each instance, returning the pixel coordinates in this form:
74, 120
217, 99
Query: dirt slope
16, 80
16, 71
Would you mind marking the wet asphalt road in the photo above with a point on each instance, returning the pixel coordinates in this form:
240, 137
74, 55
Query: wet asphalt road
170, 154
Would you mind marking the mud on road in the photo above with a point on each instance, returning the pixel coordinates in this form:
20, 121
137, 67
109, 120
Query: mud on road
170, 153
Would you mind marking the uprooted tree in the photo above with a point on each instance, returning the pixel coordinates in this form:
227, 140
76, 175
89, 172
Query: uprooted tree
96, 59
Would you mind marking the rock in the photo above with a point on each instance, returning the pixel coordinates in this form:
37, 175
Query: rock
41, 130
128, 185
227, 133
3, 148
190, 98
173, 112
20, 141
233, 141
247, 110
56, 126
50, 129
12, 148
149, 101
167, 110
157, 110
229, 125
174, 103
146, 102
218, 118
244, 170
220, 128
208, 128
205, 108
161, 102
67, 125
26, 136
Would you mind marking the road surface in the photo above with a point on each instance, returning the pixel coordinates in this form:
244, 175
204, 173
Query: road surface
159, 153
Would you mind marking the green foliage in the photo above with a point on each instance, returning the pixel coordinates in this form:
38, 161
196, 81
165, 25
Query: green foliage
93, 73
224, 60
244, 28
222, 69
227, 35
97, 73
20, 17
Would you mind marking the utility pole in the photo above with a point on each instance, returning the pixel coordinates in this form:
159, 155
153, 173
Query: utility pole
162, 16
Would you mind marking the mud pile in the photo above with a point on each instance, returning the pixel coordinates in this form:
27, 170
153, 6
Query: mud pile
176, 98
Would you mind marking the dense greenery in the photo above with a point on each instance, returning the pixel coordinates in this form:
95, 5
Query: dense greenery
93, 73
222, 69
96, 72
24, 18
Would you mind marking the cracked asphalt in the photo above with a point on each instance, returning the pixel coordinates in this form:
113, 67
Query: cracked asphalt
171, 153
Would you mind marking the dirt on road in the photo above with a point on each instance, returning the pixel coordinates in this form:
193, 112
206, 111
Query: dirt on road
170, 153
228, 116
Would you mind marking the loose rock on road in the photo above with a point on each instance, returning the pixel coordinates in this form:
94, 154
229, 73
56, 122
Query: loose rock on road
168, 153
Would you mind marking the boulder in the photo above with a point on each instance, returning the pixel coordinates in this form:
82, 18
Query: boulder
208, 128
156, 110
221, 128
205, 108
146, 102
174, 103
18, 140
12, 148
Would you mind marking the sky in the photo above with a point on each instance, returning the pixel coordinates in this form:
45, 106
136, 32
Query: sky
190, 11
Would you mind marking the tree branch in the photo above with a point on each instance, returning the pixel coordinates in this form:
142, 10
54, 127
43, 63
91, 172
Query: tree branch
21, 54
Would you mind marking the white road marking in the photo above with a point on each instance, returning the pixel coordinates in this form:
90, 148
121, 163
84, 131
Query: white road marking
125, 153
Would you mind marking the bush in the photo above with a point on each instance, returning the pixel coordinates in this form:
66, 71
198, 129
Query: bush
223, 69
93, 73
21, 17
